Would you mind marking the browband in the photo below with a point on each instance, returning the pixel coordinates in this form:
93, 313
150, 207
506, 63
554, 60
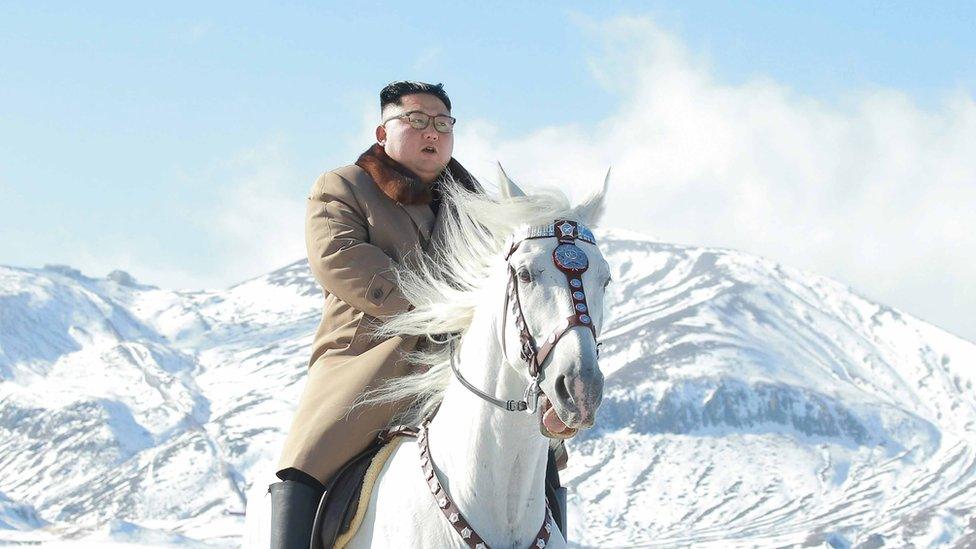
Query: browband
566, 230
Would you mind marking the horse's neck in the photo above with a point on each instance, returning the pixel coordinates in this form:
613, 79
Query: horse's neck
492, 462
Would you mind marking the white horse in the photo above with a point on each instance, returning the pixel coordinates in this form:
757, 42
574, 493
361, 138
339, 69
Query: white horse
491, 462
489, 450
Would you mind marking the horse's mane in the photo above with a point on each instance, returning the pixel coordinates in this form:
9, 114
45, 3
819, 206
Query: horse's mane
448, 283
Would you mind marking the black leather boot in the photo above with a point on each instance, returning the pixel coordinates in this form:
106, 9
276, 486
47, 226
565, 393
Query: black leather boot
293, 507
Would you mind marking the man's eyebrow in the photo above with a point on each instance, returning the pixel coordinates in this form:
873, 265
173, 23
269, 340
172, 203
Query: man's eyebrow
428, 114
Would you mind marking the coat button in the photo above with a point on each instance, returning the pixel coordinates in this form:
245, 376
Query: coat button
377, 293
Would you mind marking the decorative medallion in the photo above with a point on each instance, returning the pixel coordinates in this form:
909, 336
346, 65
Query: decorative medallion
566, 228
569, 257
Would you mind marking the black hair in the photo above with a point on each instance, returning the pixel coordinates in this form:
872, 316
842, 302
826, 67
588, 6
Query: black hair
392, 92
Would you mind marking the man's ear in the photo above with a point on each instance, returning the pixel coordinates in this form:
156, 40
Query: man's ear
381, 135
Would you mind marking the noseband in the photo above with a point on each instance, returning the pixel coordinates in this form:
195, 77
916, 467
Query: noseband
572, 262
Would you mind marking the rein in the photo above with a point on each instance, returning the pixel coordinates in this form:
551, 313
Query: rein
572, 262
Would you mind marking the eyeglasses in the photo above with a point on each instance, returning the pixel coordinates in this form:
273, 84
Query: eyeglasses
419, 120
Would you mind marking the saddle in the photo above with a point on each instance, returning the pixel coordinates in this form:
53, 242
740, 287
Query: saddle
338, 516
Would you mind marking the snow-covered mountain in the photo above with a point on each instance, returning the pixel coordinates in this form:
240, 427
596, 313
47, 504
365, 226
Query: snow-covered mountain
746, 404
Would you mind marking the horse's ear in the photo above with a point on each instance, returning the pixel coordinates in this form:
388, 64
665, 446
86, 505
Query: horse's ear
591, 210
507, 186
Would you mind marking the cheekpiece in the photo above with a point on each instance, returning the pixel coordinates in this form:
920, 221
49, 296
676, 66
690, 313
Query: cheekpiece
572, 261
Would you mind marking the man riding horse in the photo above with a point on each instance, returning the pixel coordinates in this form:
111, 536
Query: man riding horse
360, 221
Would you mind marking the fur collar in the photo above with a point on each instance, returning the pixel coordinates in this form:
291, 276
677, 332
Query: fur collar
401, 184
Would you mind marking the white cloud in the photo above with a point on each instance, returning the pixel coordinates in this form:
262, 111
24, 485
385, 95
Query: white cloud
871, 189
259, 226
255, 225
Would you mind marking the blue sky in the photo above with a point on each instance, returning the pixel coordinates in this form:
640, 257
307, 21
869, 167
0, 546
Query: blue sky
177, 141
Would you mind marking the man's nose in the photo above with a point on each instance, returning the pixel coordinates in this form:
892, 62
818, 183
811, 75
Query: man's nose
430, 132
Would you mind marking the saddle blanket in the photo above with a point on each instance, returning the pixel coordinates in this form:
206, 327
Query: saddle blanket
372, 473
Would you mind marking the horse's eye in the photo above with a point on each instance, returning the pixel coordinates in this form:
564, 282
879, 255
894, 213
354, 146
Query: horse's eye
607, 283
524, 275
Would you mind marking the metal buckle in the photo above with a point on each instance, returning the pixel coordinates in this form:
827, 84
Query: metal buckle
516, 406
532, 392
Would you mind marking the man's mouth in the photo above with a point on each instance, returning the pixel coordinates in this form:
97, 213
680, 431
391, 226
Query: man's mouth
429, 149
552, 425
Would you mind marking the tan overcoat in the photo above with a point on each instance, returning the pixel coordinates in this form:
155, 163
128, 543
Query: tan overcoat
354, 232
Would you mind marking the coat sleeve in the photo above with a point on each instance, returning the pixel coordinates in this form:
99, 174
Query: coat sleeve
340, 256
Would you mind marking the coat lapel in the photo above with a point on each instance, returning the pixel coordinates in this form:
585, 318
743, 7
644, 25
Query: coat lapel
405, 189
435, 232
396, 181
423, 218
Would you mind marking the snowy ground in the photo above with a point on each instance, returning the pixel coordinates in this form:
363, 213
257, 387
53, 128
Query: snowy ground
747, 404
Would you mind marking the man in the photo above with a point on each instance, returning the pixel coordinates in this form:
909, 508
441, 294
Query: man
362, 219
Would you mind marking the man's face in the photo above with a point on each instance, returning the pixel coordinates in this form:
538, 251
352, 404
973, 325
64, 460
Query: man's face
424, 152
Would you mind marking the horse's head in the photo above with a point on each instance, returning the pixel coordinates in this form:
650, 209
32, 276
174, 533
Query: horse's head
554, 313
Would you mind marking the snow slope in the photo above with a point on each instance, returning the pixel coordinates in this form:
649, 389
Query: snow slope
747, 404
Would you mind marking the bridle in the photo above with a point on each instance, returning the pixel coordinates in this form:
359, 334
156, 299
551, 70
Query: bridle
572, 262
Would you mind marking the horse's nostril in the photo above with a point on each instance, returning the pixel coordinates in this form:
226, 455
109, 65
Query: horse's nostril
562, 391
